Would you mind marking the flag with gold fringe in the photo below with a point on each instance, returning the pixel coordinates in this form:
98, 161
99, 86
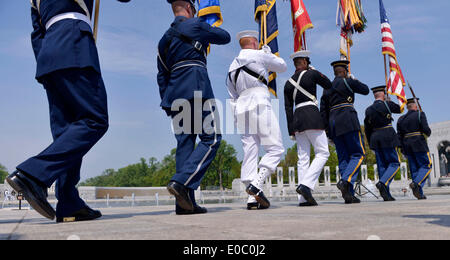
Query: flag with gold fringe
209, 11
269, 31
395, 81
350, 18
300, 23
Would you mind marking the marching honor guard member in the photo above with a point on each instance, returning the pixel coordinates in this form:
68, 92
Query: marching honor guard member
383, 139
343, 126
305, 123
182, 75
68, 68
247, 83
412, 129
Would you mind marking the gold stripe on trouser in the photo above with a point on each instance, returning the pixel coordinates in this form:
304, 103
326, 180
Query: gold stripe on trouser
361, 142
360, 161
396, 171
429, 166
357, 167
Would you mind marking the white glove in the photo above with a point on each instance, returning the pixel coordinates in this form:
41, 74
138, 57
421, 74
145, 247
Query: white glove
267, 49
311, 67
352, 76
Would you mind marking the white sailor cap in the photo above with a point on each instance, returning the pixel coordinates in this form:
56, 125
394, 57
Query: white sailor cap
300, 54
248, 34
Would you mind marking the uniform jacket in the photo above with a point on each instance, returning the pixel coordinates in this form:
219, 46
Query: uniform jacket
411, 130
247, 92
337, 109
307, 117
68, 43
183, 82
378, 125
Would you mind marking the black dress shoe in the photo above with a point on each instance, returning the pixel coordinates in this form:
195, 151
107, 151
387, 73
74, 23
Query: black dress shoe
252, 206
355, 200
197, 210
307, 204
84, 214
307, 195
384, 192
35, 194
181, 193
416, 190
259, 196
344, 187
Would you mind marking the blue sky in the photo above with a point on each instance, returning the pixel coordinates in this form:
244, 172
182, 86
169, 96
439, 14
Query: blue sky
128, 37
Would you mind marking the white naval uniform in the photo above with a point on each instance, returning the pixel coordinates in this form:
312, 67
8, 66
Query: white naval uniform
251, 103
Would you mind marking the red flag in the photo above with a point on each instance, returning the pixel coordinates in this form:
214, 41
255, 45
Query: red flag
300, 22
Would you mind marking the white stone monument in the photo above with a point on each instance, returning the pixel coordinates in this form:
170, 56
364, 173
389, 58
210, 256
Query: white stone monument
280, 180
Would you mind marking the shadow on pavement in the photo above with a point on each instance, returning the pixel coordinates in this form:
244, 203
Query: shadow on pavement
441, 220
158, 213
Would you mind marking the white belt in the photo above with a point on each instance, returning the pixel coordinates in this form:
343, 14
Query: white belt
262, 90
71, 15
304, 104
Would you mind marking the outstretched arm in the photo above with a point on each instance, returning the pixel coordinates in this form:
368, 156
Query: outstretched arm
322, 80
215, 35
358, 87
274, 63
395, 108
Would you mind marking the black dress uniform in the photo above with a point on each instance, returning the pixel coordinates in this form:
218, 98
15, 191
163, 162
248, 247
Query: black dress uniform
69, 69
308, 117
306, 124
182, 74
343, 125
383, 139
412, 129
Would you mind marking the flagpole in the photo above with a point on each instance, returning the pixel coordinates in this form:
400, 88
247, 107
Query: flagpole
265, 27
385, 70
97, 11
348, 56
415, 97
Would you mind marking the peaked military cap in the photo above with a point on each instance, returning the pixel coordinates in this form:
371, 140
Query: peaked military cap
412, 100
379, 89
340, 63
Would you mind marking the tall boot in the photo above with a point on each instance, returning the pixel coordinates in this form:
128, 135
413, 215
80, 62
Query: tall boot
256, 187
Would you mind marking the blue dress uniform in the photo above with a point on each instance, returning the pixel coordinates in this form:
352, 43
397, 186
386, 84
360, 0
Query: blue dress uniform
182, 72
383, 140
412, 129
343, 124
69, 69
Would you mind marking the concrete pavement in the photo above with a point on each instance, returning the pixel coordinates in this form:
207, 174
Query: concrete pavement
404, 219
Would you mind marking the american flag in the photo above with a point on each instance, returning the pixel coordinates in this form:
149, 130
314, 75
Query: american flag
396, 80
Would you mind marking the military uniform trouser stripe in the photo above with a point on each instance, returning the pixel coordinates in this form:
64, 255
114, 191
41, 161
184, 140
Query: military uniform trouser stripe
395, 173
360, 161
209, 151
428, 173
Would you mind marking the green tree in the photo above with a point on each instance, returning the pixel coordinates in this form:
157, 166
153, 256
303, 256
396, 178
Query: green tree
3, 173
166, 170
224, 168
